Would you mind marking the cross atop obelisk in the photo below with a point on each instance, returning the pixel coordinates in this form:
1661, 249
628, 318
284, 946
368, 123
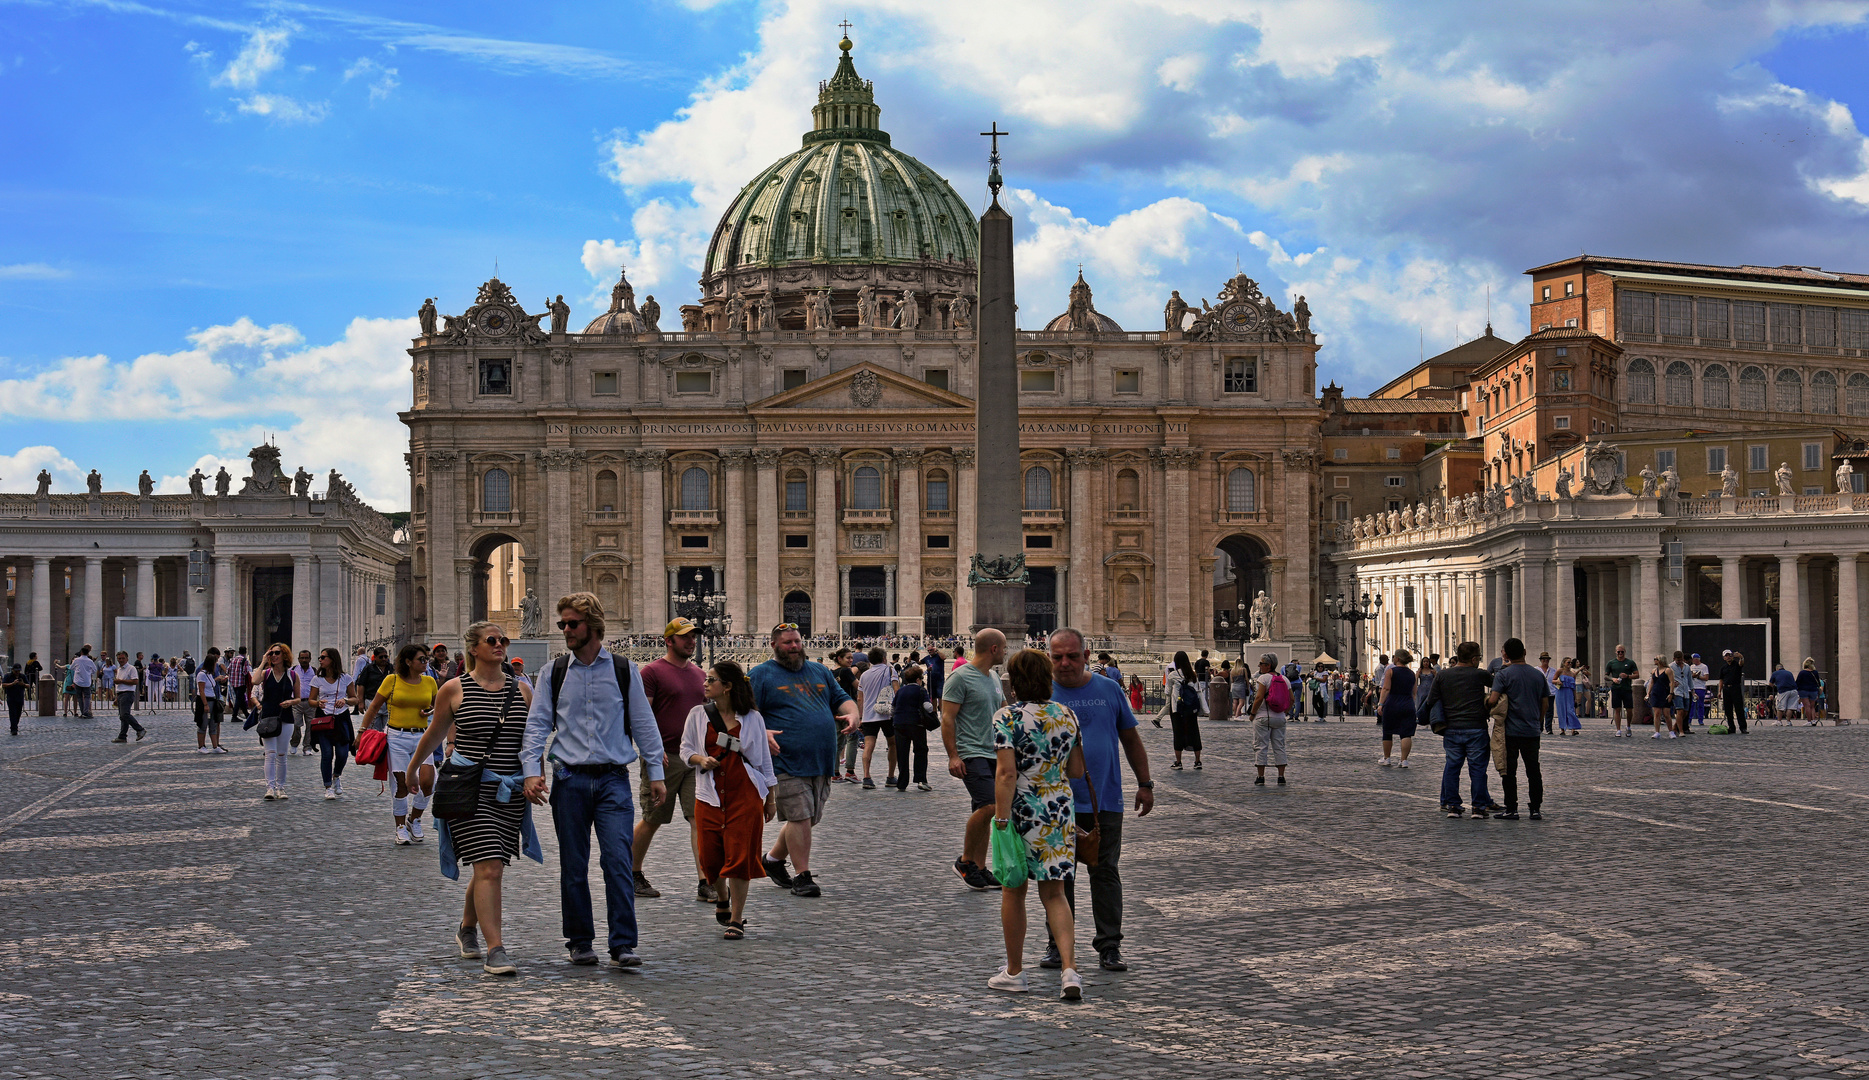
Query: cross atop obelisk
997, 576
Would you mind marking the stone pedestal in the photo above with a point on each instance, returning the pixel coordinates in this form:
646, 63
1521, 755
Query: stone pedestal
1001, 607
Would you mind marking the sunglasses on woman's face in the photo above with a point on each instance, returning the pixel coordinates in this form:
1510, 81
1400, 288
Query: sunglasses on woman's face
711, 679
496, 640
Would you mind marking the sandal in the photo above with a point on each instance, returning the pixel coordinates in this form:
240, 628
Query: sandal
735, 931
723, 912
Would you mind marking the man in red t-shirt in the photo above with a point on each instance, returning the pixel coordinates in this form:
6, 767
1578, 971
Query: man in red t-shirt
674, 686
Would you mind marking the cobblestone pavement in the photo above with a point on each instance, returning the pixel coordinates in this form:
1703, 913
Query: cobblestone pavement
1690, 908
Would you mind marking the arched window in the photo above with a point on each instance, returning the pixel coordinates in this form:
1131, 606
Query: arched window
1789, 394
695, 489
1680, 385
421, 562
1128, 490
1038, 488
421, 500
937, 491
1824, 392
797, 492
1752, 389
938, 615
1716, 388
606, 493
866, 489
496, 492
1242, 494
1641, 382
1856, 395
797, 611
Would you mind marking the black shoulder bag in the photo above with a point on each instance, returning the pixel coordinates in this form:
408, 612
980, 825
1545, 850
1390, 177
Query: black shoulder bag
457, 788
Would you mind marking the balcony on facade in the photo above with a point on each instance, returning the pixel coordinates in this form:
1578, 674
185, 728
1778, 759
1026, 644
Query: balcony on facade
497, 517
853, 516
1126, 517
694, 517
938, 515
795, 515
1044, 517
606, 516
1238, 517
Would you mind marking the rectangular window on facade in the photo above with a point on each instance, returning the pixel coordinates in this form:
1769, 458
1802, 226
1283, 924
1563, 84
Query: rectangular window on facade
1748, 320
1787, 324
1038, 382
1544, 293
1716, 460
1813, 456
1393, 504
1562, 422
1393, 453
1343, 509
1128, 382
604, 382
797, 496
1820, 326
1813, 491
382, 599
1038, 541
1710, 318
1242, 375
694, 382
939, 541
694, 541
795, 378
937, 495
1675, 314
936, 377
1340, 481
797, 540
1664, 460
1340, 454
1854, 328
1571, 323
1635, 312
1387, 481
1757, 459
496, 376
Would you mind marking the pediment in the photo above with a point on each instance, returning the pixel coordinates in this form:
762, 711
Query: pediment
864, 387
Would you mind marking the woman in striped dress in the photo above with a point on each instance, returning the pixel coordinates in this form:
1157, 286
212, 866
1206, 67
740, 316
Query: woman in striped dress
486, 710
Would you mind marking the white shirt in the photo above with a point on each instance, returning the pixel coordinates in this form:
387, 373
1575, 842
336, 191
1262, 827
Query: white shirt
1697, 677
362, 661
697, 738
1265, 711
204, 683
1551, 676
126, 672
872, 686
302, 678
83, 669
331, 695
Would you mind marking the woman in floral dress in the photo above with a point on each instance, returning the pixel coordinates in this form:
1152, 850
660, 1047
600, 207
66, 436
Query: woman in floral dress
1039, 753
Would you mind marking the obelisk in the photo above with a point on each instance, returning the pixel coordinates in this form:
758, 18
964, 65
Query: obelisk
998, 575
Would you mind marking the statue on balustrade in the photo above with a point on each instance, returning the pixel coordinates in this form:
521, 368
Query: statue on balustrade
736, 314
222, 481
1670, 483
651, 314
301, 482
144, 485
1844, 482
561, 313
427, 315
1408, 517
1174, 311
1783, 476
1395, 522
94, 483
45, 481
909, 311
1729, 483
1301, 311
960, 313
195, 481
821, 317
1648, 482
1564, 479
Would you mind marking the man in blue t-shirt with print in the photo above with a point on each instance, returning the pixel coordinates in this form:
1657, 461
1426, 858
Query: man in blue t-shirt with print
1104, 724
805, 708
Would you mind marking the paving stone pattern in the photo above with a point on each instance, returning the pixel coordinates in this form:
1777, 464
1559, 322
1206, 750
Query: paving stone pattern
1689, 908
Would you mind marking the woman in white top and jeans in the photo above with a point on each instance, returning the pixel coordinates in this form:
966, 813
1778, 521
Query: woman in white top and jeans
332, 697
210, 687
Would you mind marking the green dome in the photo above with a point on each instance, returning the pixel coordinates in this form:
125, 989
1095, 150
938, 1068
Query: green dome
846, 197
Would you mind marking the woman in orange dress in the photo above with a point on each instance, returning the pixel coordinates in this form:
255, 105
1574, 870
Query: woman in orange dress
725, 742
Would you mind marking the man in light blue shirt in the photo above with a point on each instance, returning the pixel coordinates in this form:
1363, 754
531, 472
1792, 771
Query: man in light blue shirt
595, 727
83, 673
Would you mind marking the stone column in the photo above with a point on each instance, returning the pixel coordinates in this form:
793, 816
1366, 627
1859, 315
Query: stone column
444, 519
93, 632
766, 536
42, 610
843, 590
652, 526
330, 608
1086, 528
965, 484
1489, 614
889, 590
561, 571
1648, 606
1790, 613
826, 597
1625, 611
739, 607
1173, 527
1566, 615
304, 602
1849, 673
1809, 613
907, 588
145, 586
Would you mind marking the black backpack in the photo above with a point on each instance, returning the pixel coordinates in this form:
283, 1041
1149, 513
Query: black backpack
563, 664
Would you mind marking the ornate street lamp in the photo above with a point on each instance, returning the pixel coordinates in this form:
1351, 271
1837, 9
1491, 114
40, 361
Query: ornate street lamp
707, 611
1354, 610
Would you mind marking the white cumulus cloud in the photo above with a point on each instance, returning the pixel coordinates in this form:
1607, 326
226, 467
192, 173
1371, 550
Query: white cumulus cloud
263, 53
19, 471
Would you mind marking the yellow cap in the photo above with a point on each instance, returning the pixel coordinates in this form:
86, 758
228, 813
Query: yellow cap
678, 627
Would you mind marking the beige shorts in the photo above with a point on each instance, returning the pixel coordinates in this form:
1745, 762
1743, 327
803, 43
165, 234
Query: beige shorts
801, 798
677, 786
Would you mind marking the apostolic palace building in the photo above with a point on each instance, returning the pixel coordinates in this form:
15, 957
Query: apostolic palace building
1673, 456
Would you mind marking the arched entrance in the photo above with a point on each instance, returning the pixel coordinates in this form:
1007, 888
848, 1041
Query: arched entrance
1041, 600
797, 609
499, 580
938, 615
869, 595
1239, 576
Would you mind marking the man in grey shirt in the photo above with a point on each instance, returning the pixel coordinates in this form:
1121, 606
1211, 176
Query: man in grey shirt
1524, 689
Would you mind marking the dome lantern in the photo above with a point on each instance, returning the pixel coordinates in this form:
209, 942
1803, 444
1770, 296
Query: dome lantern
846, 107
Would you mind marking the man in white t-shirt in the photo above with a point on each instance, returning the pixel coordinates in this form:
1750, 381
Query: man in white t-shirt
1697, 674
877, 686
83, 678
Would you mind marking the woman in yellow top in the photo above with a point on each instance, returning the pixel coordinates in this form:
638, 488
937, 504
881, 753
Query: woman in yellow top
407, 697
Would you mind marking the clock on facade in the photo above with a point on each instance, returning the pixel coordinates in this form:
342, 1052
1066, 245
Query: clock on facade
1239, 317
496, 320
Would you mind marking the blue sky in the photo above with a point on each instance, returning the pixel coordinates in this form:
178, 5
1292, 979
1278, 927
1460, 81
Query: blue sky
222, 217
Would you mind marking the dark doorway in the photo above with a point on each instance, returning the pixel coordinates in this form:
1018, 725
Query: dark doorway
1041, 600
937, 615
869, 595
798, 611
1239, 576
272, 610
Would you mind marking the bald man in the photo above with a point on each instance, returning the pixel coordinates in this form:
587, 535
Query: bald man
968, 702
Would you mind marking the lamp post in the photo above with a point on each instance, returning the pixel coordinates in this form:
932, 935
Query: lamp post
707, 611
1243, 630
1353, 610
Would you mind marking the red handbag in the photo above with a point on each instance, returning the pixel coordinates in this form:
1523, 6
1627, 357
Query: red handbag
373, 749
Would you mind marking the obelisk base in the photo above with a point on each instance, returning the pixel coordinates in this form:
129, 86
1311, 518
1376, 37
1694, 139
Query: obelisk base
1002, 607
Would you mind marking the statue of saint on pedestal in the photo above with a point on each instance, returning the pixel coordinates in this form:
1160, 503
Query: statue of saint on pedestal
1844, 482
651, 314
1783, 476
222, 481
561, 313
301, 482
195, 481
144, 485
1174, 311
45, 481
530, 613
1729, 482
1263, 609
94, 483
427, 314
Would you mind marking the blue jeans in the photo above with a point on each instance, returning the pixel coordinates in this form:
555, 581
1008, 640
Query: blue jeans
83, 694
581, 802
1474, 747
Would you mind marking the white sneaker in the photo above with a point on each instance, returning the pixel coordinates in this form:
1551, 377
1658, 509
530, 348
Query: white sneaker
280, 794
1012, 984
1072, 988
415, 830
271, 793
1384, 762
204, 750
1402, 764
1674, 734
1657, 735
329, 794
337, 786
402, 836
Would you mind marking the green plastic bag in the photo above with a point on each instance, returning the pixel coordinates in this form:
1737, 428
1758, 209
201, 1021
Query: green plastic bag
1007, 856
